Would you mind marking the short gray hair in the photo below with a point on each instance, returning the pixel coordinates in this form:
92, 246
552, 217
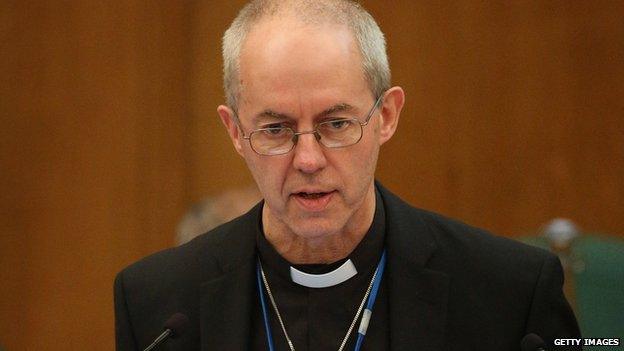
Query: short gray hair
370, 39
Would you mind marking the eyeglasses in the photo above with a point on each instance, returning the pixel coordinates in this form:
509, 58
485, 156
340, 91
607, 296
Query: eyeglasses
335, 133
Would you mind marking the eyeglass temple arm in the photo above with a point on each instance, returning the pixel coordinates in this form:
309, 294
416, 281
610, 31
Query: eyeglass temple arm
372, 111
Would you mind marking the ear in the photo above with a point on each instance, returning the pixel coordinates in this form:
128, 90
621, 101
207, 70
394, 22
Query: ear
390, 111
229, 121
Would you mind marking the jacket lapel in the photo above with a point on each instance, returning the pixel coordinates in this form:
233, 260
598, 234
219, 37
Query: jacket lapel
226, 310
417, 295
228, 288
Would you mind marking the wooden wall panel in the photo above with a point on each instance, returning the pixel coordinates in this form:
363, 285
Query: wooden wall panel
514, 111
94, 112
109, 133
215, 166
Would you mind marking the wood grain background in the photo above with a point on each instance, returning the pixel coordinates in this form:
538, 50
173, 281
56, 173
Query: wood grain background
109, 133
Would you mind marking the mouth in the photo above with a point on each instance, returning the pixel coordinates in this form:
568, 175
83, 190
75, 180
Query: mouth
313, 200
311, 195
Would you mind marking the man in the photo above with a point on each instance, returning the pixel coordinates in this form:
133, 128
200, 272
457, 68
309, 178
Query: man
330, 259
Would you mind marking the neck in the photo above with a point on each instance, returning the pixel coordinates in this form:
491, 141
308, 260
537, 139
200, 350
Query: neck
297, 250
320, 249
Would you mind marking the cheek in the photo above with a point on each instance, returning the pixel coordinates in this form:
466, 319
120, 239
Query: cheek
268, 172
357, 167
368, 150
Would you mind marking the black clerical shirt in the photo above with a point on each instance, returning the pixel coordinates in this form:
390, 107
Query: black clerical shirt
318, 318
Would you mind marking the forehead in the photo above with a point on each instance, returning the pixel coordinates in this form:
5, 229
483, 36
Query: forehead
289, 65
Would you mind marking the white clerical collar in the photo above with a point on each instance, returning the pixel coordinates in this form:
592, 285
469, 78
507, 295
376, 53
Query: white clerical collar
339, 275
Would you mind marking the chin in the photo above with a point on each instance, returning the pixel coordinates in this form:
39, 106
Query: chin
315, 228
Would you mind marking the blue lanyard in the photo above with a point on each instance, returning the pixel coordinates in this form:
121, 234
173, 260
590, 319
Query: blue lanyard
366, 315
265, 312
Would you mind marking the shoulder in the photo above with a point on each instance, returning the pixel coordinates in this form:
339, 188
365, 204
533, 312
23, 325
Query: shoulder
209, 254
461, 247
150, 290
461, 243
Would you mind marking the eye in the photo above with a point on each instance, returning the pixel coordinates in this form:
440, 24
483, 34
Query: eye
275, 131
338, 124
273, 126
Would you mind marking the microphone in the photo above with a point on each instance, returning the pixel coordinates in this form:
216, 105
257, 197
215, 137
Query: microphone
532, 342
174, 327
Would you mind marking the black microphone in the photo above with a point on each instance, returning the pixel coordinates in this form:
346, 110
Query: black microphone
532, 342
174, 327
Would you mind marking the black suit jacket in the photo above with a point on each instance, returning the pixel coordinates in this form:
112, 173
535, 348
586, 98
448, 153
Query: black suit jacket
450, 287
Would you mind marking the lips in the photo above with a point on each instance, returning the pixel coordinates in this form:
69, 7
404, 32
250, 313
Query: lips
313, 200
311, 195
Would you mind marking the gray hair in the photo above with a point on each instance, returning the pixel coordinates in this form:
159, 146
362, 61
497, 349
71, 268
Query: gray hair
370, 39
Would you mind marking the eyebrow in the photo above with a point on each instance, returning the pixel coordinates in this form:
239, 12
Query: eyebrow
268, 113
342, 107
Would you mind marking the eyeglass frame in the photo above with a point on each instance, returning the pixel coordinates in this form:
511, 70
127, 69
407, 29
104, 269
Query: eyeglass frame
317, 135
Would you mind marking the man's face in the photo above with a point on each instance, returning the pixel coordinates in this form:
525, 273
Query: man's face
294, 75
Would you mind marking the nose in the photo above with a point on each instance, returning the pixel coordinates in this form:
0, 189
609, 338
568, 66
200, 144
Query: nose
309, 156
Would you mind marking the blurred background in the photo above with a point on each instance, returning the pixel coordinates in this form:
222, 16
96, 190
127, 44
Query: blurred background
109, 135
